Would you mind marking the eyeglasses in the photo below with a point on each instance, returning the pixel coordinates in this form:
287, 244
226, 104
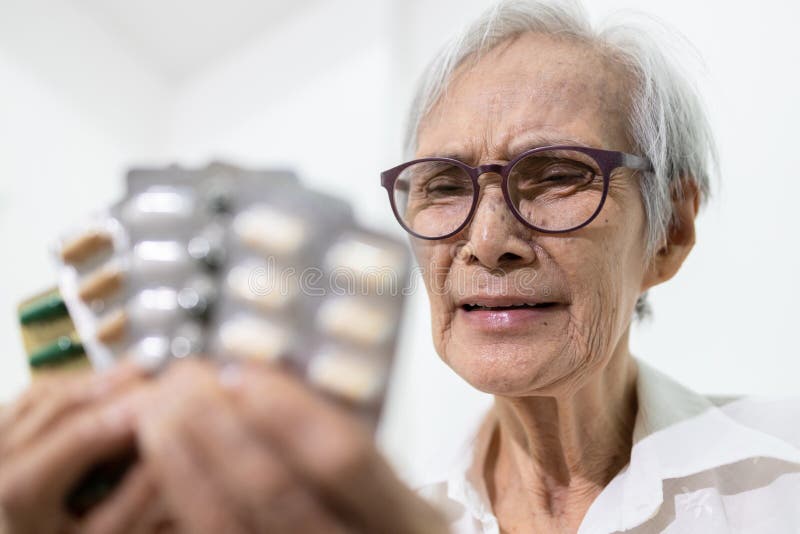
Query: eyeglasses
551, 189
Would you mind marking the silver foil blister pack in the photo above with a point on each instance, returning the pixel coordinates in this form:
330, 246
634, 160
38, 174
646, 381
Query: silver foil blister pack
226, 263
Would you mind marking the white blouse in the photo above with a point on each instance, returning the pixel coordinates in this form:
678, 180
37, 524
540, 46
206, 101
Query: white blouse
698, 465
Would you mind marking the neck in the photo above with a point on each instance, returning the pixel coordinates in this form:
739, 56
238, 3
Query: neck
550, 456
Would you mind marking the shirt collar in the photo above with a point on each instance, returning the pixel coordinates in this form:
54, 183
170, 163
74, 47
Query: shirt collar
677, 433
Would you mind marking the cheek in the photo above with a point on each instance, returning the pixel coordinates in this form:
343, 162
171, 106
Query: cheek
605, 271
594, 311
435, 261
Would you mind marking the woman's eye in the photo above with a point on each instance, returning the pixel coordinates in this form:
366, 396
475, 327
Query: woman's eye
566, 174
445, 185
563, 177
443, 188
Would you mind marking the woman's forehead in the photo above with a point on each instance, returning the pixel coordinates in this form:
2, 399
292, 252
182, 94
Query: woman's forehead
535, 86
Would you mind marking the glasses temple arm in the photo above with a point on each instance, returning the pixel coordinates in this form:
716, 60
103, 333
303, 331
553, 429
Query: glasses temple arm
636, 162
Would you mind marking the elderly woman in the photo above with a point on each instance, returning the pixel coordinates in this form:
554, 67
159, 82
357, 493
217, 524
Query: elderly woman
556, 176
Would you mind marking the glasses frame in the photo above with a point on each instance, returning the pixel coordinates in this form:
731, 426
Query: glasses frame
608, 161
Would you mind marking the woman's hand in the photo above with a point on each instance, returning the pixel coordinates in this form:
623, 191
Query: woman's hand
57, 430
253, 450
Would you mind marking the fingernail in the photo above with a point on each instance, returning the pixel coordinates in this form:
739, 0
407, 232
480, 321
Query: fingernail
230, 375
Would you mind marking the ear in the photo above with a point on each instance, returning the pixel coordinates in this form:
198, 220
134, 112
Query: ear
680, 236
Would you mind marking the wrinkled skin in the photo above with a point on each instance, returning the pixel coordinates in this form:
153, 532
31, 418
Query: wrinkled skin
528, 92
564, 381
257, 451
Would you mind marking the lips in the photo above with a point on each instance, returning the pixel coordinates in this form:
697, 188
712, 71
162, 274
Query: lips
504, 314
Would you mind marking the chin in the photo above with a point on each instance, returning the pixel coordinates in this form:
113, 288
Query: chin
505, 369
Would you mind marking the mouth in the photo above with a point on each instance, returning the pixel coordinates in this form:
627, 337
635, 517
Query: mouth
523, 306
506, 314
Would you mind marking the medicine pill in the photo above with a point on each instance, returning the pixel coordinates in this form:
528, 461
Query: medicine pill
355, 377
354, 319
252, 338
101, 284
269, 231
86, 245
262, 285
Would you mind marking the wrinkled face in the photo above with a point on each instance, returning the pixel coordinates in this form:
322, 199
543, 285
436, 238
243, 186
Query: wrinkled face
552, 308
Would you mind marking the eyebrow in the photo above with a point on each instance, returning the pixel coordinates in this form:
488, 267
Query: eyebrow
528, 143
542, 141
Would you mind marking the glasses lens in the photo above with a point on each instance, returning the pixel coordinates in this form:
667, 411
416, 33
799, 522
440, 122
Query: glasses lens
556, 190
433, 198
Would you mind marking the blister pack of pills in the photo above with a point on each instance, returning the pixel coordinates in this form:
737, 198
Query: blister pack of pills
226, 263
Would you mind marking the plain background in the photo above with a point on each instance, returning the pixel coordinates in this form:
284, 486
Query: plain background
89, 88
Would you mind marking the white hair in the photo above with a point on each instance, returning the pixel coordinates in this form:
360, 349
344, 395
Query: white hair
667, 122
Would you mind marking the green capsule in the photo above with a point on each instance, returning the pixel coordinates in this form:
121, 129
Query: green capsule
64, 348
43, 309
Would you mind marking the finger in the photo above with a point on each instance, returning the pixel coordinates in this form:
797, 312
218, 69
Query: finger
153, 517
54, 463
166, 526
197, 504
297, 423
275, 500
299, 509
47, 409
156, 518
29, 486
20, 405
61, 399
256, 476
124, 507
53, 381
33, 395
47, 382
332, 450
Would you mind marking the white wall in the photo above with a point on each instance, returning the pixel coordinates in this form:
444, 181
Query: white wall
326, 93
76, 109
726, 322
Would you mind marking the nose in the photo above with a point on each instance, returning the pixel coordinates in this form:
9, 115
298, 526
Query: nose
495, 238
